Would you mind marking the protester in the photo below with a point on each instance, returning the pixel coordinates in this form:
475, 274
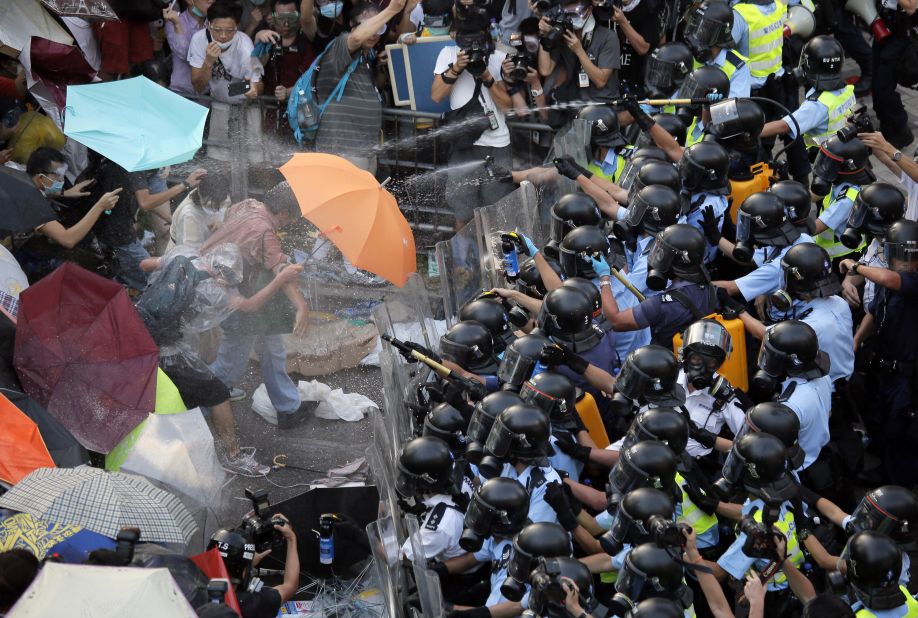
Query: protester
200, 213
180, 28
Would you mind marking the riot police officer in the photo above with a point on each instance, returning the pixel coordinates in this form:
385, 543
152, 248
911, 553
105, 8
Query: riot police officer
539, 540
521, 360
493, 315
872, 561
650, 571
709, 34
704, 82
704, 169
797, 202
483, 416
890, 319
758, 33
608, 146
666, 69
469, 346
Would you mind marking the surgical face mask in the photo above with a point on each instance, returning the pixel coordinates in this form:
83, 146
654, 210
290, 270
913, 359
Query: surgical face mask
331, 10
197, 12
439, 31
225, 46
256, 2
57, 186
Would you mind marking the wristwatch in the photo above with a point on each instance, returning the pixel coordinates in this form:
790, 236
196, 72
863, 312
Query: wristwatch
854, 268
186, 185
897, 155
535, 92
605, 282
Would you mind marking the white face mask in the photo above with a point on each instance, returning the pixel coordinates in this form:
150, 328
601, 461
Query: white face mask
225, 46
331, 10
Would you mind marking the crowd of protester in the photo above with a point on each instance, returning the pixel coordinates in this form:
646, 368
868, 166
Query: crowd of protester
696, 397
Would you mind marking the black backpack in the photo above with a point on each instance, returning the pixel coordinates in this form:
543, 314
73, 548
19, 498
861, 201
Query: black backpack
162, 302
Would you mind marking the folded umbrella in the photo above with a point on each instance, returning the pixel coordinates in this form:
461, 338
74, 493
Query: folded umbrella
22, 449
136, 123
104, 502
355, 212
22, 206
84, 354
90, 10
71, 543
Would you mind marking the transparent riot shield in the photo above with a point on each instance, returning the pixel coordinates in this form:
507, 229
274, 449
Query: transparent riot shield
574, 141
428, 583
459, 261
386, 549
518, 211
381, 465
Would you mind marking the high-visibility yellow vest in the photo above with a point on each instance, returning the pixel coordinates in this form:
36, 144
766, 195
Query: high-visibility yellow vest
911, 606
789, 529
690, 138
827, 239
839, 102
766, 37
619, 167
733, 60
700, 521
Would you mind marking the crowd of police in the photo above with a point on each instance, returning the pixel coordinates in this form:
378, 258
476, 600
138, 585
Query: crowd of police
604, 444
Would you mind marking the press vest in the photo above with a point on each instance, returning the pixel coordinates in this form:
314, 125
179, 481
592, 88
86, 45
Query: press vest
827, 239
839, 103
789, 530
766, 37
700, 521
910, 603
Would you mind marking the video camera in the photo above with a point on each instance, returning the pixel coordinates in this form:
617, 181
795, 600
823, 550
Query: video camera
259, 526
857, 122
559, 22
478, 46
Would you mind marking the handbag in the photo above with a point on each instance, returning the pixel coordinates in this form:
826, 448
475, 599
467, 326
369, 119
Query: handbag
463, 126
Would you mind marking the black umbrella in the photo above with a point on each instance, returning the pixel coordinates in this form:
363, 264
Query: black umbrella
63, 447
22, 206
190, 579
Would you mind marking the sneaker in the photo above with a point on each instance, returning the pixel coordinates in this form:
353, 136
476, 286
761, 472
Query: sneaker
236, 394
293, 419
244, 464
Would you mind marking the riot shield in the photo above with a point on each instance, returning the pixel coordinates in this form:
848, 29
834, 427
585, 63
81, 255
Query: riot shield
518, 211
428, 583
385, 548
574, 142
459, 261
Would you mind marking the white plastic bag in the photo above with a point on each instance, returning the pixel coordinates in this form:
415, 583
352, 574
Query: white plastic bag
333, 404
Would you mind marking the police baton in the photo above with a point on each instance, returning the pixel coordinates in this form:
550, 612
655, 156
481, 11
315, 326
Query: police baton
618, 275
440, 369
664, 102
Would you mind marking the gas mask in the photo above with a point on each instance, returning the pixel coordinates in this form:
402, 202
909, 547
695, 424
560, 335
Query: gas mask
706, 345
630, 589
771, 372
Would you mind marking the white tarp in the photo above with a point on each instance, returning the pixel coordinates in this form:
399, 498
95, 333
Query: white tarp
333, 404
23, 19
102, 592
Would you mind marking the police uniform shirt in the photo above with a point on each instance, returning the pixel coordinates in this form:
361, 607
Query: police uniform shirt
812, 116
873, 256
609, 165
811, 402
496, 550
766, 278
440, 530
831, 319
563, 462
740, 35
535, 480
836, 213
700, 406
736, 563
896, 317
666, 316
637, 265
603, 355
740, 81
625, 341
700, 201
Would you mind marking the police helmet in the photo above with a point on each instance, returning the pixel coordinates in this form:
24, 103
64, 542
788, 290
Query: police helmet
573, 210
663, 424
876, 207
666, 69
538, 540
469, 345
554, 393
649, 375
645, 464
874, 562
838, 161
529, 281
889, 509
705, 80
425, 466
705, 166
578, 246
706, 344
590, 290
807, 271
491, 313
447, 423
777, 419
520, 434
655, 207
499, 507
565, 312
796, 198
547, 594
521, 358
650, 571
758, 461
483, 416
821, 63
736, 122
634, 517
678, 251
653, 172
636, 160
902, 244
604, 129
762, 221
237, 552
790, 348
671, 123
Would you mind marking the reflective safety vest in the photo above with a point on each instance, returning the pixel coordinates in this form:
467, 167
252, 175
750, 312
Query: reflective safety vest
732, 61
826, 239
766, 37
911, 607
620, 161
690, 138
700, 521
839, 102
789, 529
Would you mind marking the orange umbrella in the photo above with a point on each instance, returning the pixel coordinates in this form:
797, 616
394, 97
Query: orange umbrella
22, 448
355, 212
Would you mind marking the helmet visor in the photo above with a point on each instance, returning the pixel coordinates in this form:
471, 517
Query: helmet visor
906, 252
480, 425
870, 516
632, 382
701, 31
409, 484
708, 337
636, 433
479, 516
827, 166
732, 470
662, 256
771, 360
630, 582
559, 227
859, 213
515, 368
725, 121
637, 209
501, 440
661, 76
555, 407
629, 173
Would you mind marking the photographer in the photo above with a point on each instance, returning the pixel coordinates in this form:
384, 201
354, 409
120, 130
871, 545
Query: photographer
255, 599
520, 72
639, 25
583, 56
473, 69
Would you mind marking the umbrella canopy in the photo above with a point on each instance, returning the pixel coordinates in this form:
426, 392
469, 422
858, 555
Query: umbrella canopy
136, 123
186, 573
21, 448
84, 354
63, 447
23, 19
22, 206
71, 543
104, 502
49, 68
90, 10
102, 591
355, 212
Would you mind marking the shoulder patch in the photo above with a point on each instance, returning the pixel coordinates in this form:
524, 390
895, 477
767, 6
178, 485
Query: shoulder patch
435, 516
536, 479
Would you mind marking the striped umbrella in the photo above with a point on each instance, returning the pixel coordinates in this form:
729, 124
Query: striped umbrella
103, 502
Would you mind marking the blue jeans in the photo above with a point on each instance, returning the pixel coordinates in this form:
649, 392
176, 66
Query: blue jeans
127, 264
233, 359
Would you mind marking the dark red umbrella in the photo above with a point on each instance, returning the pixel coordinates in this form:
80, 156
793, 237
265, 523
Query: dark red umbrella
84, 354
90, 10
56, 66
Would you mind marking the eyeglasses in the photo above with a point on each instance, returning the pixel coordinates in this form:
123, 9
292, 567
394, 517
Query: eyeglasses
223, 30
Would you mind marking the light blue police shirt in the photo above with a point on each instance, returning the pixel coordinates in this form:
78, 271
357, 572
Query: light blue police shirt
836, 213
831, 319
694, 218
766, 278
811, 402
740, 82
539, 510
564, 462
740, 35
496, 550
736, 563
812, 116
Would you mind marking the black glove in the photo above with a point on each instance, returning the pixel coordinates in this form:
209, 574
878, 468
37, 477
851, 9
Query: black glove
569, 168
641, 118
557, 354
710, 226
556, 498
729, 306
439, 568
477, 612
706, 503
702, 436
808, 495
417, 347
573, 449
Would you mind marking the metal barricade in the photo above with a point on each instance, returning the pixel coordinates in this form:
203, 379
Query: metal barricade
517, 211
459, 263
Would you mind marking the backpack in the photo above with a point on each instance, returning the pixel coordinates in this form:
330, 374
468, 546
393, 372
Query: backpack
304, 112
162, 303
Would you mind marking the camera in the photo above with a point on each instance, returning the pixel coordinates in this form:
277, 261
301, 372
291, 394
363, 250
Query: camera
126, 541
522, 61
760, 540
216, 590
858, 122
559, 22
667, 533
259, 526
478, 47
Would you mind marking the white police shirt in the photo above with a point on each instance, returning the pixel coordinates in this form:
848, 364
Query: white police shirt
700, 406
440, 530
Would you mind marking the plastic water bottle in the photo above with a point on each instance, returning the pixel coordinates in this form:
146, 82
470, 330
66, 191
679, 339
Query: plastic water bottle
511, 263
494, 29
326, 540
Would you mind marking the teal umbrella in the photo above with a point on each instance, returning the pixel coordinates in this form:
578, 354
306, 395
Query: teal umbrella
134, 122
